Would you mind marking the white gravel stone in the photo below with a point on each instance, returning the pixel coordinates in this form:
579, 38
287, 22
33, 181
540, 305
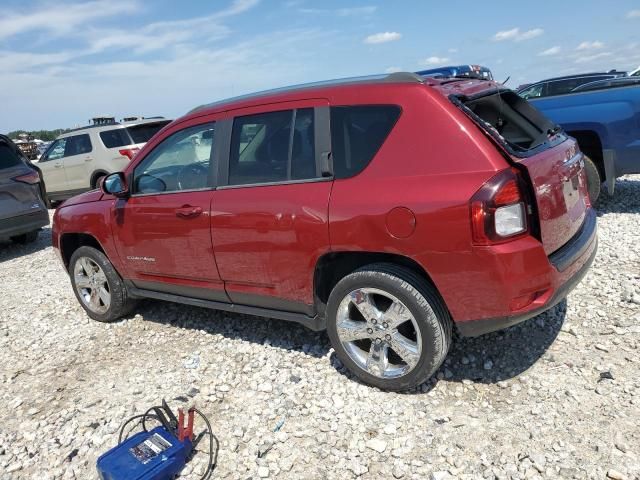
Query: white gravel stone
377, 444
543, 409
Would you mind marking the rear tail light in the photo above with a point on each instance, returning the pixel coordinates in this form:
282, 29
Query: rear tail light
31, 178
499, 209
129, 152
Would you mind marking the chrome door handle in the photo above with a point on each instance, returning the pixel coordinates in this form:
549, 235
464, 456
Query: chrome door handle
188, 211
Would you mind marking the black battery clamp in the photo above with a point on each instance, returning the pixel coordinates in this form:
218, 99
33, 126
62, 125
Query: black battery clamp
160, 453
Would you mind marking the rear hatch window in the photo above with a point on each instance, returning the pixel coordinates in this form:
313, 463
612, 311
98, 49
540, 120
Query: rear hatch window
8, 157
132, 135
512, 121
552, 160
115, 138
142, 133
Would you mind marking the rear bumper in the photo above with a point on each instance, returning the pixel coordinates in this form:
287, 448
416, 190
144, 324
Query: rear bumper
10, 227
568, 266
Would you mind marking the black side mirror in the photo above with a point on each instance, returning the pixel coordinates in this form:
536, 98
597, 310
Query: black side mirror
115, 184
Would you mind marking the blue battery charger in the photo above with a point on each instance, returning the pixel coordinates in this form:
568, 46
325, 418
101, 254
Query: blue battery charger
153, 455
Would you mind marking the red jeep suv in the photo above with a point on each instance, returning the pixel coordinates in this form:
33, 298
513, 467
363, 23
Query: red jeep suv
388, 210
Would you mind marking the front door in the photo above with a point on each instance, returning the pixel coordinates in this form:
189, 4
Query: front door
269, 220
163, 230
52, 167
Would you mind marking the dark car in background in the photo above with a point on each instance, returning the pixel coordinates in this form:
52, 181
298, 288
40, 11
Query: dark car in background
22, 209
561, 85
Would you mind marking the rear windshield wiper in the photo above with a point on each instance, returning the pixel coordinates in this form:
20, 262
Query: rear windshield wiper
555, 129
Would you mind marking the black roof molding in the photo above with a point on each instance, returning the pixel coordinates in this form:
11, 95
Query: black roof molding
397, 77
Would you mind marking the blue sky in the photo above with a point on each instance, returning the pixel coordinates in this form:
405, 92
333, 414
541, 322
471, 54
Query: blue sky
62, 62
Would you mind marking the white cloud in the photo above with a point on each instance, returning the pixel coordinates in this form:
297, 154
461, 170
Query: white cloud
453, 50
590, 46
434, 61
549, 52
516, 35
62, 18
592, 58
237, 7
633, 14
200, 75
356, 11
393, 69
342, 12
383, 37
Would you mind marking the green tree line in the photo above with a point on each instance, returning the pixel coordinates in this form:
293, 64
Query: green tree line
45, 135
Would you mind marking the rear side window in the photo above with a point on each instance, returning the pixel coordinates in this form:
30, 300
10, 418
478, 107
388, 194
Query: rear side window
115, 138
77, 145
357, 133
272, 147
8, 157
143, 133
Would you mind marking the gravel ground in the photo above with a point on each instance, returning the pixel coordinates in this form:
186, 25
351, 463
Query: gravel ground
555, 397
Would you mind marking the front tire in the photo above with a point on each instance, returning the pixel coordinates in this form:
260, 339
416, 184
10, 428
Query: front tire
388, 326
97, 285
594, 181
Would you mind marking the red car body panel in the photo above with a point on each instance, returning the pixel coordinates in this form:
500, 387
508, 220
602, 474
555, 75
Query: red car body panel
411, 200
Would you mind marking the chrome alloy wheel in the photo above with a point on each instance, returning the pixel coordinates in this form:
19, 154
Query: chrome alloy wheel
91, 285
379, 333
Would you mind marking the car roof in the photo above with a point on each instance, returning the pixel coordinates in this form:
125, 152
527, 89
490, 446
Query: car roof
145, 120
110, 126
613, 73
323, 88
609, 82
252, 98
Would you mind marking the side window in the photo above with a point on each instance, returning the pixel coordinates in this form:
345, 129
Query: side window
533, 92
272, 147
561, 87
77, 145
357, 133
181, 162
56, 151
118, 137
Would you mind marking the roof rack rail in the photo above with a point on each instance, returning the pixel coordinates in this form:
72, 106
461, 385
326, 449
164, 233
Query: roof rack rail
404, 77
86, 127
400, 77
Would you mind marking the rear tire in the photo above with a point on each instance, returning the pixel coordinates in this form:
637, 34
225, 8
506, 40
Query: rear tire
26, 238
96, 180
594, 181
97, 285
407, 335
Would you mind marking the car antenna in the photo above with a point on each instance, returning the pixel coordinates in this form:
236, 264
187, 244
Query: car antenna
507, 79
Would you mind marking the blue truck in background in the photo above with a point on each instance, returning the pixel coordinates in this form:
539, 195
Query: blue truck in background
606, 124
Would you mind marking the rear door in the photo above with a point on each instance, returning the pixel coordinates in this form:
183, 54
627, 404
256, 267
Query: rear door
78, 160
270, 212
52, 167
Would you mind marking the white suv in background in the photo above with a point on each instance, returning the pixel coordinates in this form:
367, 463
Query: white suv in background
79, 158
